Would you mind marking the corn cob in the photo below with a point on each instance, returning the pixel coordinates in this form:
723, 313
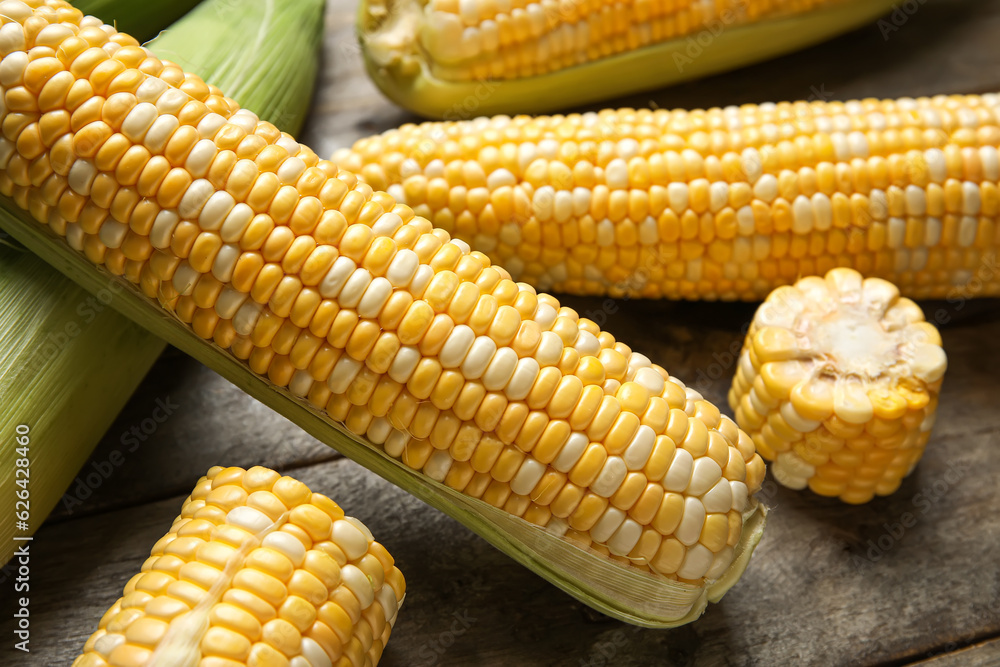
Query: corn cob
838, 384
368, 314
256, 570
57, 342
455, 58
717, 204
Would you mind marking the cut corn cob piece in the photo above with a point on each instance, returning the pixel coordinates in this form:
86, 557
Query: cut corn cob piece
334, 295
68, 361
256, 570
455, 58
718, 204
838, 384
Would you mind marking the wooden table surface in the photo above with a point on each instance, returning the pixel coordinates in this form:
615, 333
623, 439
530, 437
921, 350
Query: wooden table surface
829, 585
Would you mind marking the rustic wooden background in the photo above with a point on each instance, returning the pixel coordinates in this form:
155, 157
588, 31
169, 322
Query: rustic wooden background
829, 585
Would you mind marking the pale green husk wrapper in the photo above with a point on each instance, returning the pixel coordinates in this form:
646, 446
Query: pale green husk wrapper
68, 363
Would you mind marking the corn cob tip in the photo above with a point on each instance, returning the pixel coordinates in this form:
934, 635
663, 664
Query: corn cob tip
838, 383
256, 569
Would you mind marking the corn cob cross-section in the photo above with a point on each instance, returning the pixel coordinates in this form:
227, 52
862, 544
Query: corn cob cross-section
445, 58
712, 204
256, 570
354, 304
837, 384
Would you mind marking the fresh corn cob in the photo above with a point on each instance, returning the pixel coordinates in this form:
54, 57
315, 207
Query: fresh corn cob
837, 384
256, 570
68, 362
455, 58
375, 319
717, 204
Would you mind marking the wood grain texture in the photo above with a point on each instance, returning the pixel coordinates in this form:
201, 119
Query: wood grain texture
986, 654
829, 585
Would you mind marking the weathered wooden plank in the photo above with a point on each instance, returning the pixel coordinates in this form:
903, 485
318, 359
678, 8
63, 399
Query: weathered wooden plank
983, 654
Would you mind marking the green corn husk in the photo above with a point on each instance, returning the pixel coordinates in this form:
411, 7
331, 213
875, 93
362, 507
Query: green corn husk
140, 18
68, 363
231, 44
69, 388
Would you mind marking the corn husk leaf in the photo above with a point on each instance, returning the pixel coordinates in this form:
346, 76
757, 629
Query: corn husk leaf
245, 49
68, 363
141, 19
